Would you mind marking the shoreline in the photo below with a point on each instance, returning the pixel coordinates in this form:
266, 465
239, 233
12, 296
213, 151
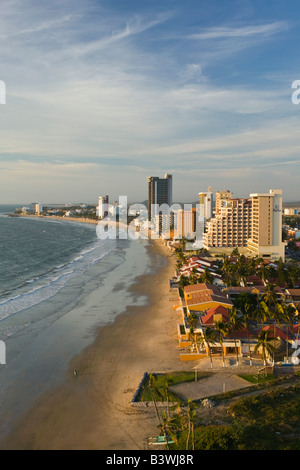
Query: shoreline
56, 217
93, 410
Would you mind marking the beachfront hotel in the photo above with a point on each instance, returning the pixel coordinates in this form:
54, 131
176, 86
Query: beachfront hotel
254, 225
231, 227
266, 237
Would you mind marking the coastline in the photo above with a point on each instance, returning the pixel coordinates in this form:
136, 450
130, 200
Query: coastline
92, 410
56, 217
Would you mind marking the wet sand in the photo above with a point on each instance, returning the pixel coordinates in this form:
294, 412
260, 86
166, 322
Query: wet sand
93, 409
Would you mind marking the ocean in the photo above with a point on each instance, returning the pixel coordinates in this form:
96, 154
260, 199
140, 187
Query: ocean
48, 270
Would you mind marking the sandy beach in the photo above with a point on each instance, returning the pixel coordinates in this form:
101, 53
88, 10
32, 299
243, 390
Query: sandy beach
92, 410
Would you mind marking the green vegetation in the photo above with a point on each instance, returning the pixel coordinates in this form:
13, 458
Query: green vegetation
257, 378
265, 421
159, 389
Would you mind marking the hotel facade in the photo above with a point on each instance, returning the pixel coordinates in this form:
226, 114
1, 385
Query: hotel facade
253, 224
266, 238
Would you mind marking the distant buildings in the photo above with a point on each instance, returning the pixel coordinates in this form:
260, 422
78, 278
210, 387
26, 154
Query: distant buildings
37, 208
291, 211
102, 209
185, 223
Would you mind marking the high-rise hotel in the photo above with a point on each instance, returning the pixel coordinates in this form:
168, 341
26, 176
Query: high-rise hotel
254, 224
266, 237
231, 226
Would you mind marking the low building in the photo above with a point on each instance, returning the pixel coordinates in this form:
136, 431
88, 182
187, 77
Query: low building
202, 296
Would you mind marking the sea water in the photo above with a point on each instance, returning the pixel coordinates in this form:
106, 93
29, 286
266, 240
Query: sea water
48, 270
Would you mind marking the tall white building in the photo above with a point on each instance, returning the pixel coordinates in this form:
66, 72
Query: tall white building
37, 208
206, 204
101, 209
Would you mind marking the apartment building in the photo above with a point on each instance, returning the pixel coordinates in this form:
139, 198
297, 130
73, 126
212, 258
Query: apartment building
206, 204
232, 225
102, 208
159, 192
266, 237
185, 223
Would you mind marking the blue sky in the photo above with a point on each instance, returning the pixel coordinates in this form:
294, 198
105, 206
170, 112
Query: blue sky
101, 94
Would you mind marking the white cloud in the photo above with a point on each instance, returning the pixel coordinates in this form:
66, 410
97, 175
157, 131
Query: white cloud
241, 32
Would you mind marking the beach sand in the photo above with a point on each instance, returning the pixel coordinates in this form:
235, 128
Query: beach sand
93, 409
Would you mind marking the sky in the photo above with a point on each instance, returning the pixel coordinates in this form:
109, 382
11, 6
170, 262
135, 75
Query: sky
101, 94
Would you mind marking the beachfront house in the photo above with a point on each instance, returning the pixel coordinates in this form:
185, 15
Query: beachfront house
204, 296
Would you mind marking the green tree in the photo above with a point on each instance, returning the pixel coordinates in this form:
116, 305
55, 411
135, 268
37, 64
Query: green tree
222, 330
235, 325
245, 298
265, 343
210, 337
206, 277
270, 297
193, 320
249, 315
189, 417
154, 393
293, 274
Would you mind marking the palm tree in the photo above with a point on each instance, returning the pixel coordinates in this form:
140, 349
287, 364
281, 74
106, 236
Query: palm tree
293, 273
227, 271
167, 382
206, 277
270, 296
210, 337
183, 281
193, 278
248, 317
281, 275
170, 427
285, 314
193, 319
242, 270
222, 330
263, 272
191, 416
235, 325
163, 426
154, 391
263, 312
265, 343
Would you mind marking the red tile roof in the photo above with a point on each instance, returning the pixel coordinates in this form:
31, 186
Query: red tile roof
208, 319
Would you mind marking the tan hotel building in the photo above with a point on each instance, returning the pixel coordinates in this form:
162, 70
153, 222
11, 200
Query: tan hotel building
231, 226
266, 239
254, 224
